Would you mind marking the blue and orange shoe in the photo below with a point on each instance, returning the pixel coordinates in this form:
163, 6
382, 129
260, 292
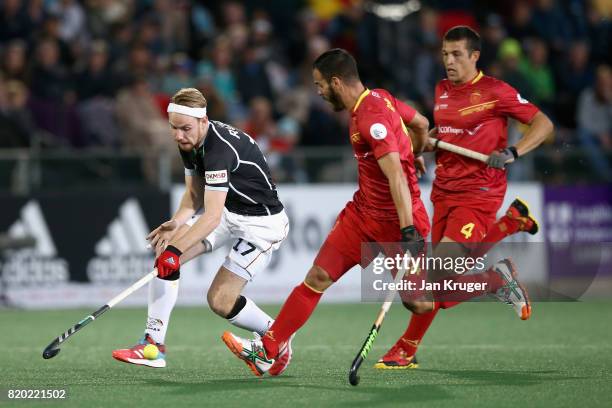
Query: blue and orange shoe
397, 359
252, 352
519, 211
135, 354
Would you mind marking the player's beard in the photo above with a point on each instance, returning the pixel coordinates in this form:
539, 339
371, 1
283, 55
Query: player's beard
335, 101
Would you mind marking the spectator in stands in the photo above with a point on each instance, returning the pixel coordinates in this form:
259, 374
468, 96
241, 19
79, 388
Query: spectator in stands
179, 76
71, 19
50, 29
253, 80
96, 78
260, 124
519, 26
493, 33
16, 125
173, 24
428, 65
599, 28
574, 74
143, 125
219, 69
539, 75
215, 105
594, 117
14, 21
510, 55
139, 63
235, 26
149, 35
551, 24
14, 61
52, 95
96, 89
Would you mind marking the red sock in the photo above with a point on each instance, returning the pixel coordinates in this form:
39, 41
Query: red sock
417, 328
502, 228
295, 312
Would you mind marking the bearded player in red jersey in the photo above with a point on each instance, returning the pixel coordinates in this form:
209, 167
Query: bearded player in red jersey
472, 110
386, 208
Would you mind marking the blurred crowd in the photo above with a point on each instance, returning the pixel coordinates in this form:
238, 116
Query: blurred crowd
99, 73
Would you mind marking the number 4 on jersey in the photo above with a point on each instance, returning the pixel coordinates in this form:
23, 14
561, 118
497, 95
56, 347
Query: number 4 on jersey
467, 229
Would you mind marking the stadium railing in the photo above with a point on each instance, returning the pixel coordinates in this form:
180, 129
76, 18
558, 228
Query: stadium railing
23, 171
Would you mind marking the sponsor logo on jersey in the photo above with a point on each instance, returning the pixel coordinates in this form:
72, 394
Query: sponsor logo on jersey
378, 131
216, 177
455, 131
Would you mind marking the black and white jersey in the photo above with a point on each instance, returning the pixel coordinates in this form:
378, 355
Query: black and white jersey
230, 160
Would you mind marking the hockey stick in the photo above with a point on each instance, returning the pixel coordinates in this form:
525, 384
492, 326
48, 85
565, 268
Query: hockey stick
437, 143
52, 349
367, 344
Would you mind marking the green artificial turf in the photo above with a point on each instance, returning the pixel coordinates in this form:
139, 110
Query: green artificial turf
477, 354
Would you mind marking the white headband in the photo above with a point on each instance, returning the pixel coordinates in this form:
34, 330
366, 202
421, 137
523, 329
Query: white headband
186, 110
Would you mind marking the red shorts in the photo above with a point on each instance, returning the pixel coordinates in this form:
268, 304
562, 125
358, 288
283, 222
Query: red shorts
460, 223
342, 248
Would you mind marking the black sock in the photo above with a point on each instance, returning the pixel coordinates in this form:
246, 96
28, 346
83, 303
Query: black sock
238, 306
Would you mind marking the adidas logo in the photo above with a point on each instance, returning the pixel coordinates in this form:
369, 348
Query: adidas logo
39, 265
125, 234
170, 260
444, 95
31, 223
121, 254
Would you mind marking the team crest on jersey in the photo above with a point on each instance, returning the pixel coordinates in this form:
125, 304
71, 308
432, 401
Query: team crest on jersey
475, 97
216, 177
378, 131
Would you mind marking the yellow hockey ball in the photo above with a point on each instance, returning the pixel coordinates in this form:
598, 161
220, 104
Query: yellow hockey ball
150, 351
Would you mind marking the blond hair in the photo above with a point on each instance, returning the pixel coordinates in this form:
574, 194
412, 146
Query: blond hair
189, 97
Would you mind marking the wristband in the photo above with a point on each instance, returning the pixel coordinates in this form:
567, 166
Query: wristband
514, 152
174, 250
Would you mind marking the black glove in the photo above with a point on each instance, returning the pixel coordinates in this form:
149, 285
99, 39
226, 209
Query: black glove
412, 240
500, 158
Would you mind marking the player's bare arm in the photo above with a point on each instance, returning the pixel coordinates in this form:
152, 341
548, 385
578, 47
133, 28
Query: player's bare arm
191, 202
540, 127
391, 166
214, 202
419, 127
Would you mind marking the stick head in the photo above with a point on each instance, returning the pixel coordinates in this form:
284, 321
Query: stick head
353, 378
50, 353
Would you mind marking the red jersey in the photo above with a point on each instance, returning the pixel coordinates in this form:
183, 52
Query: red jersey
378, 127
475, 116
